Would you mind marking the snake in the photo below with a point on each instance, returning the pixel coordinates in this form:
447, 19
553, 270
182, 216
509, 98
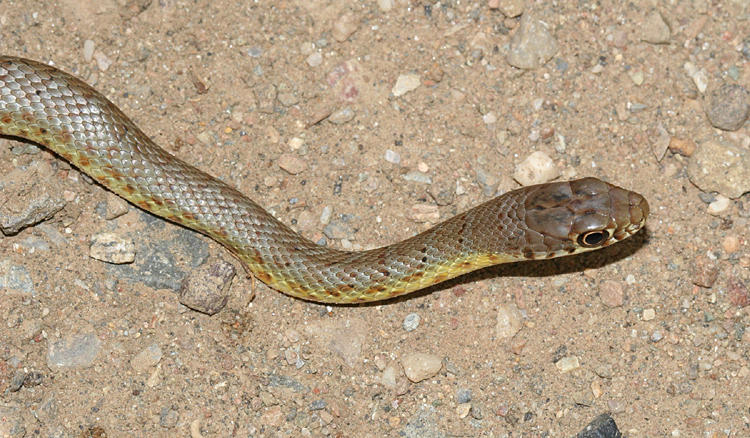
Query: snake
44, 105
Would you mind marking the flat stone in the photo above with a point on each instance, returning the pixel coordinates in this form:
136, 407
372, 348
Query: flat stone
112, 248
421, 366
406, 83
74, 351
147, 358
509, 321
720, 166
27, 197
532, 45
655, 30
567, 364
292, 164
611, 293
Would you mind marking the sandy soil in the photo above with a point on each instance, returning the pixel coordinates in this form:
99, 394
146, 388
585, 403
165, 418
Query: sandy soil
229, 86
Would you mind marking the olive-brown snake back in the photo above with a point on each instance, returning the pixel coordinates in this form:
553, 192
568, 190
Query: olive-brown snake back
47, 106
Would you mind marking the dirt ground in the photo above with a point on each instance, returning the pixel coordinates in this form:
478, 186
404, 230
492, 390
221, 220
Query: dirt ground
242, 90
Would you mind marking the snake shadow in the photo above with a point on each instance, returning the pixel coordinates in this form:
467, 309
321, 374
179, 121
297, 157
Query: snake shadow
536, 268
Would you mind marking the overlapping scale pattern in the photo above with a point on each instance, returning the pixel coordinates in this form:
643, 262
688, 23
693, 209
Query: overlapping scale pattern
52, 108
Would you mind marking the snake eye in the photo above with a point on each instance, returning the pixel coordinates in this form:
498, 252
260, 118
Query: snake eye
593, 238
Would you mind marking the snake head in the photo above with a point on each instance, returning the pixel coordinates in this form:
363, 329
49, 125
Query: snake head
577, 216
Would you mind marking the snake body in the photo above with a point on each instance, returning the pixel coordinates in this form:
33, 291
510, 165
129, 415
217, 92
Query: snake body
42, 104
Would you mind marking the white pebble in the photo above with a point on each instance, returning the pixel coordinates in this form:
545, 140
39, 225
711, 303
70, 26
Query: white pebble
406, 83
102, 61
508, 321
314, 59
392, 156
411, 322
537, 168
649, 314
88, 50
296, 143
489, 118
325, 216
421, 366
719, 205
697, 75
385, 5
568, 363
111, 248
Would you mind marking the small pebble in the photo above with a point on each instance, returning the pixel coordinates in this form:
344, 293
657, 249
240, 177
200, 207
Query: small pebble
509, 321
420, 366
116, 206
532, 45
730, 244
509, 8
537, 168
699, 76
425, 213
102, 61
111, 248
291, 164
344, 27
147, 358
88, 50
704, 271
417, 176
74, 351
728, 106
341, 116
603, 426
388, 378
611, 293
411, 322
649, 314
325, 215
295, 143
655, 30
337, 229
314, 59
567, 364
656, 336
463, 410
406, 83
684, 147
737, 292
463, 395
206, 289
386, 5
720, 205
392, 156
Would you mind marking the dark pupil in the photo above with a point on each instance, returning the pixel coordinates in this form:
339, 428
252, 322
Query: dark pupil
593, 238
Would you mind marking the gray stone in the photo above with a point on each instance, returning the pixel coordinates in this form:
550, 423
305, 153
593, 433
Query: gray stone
532, 45
74, 351
728, 106
206, 289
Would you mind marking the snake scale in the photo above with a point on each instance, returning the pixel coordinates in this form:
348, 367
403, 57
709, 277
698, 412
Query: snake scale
44, 105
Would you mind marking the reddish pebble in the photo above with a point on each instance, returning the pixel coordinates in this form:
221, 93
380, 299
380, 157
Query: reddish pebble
705, 272
737, 292
611, 293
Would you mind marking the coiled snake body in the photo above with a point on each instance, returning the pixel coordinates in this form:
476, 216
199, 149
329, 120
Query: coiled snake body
47, 106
